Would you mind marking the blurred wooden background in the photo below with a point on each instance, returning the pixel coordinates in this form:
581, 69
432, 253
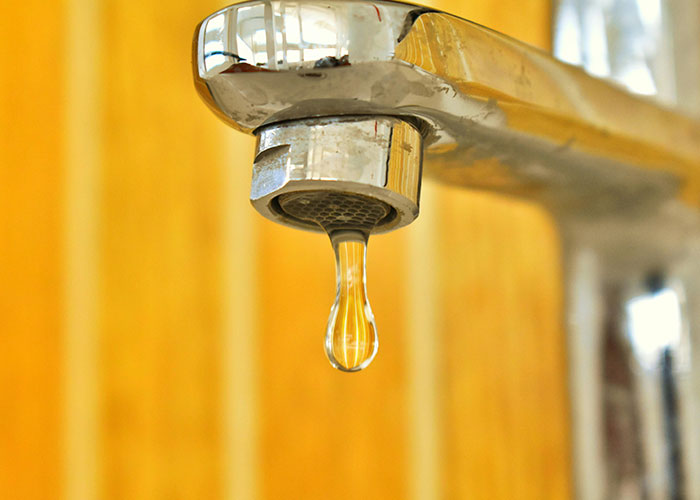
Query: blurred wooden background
160, 340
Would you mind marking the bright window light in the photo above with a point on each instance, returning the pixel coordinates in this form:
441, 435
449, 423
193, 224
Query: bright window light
654, 324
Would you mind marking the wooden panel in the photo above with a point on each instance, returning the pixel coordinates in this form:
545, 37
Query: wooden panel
529, 22
503, 375
30, 249
212, 387
327, 434
504, 369
161, 261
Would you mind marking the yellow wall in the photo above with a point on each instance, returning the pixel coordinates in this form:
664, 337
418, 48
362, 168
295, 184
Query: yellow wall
158, 339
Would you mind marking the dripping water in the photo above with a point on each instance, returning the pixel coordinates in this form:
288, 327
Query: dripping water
351, 334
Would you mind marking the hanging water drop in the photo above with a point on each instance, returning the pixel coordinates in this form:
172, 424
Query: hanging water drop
351, 335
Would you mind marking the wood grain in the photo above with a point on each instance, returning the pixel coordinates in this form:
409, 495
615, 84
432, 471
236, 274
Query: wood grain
161, 260
503, 376
211, 378
30, 249
503, 372
327, 434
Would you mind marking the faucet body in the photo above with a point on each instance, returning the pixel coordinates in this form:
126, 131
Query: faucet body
619, 174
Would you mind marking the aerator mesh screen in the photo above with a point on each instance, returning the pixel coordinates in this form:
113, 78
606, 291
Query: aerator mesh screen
336, 210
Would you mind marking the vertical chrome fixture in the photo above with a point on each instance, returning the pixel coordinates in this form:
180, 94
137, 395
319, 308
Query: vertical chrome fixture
344, 96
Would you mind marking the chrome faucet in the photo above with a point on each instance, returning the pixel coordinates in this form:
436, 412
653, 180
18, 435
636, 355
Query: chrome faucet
362, 98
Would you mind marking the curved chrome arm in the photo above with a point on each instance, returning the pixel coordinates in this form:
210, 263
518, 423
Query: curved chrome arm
522, 122
620, 174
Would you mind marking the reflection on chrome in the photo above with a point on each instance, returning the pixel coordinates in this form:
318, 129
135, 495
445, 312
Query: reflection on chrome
654, 326
652, 47
620, 175
619, 39
280, 35
649, 405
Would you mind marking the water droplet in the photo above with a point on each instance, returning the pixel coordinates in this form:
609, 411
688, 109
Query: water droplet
348, 219
351, 335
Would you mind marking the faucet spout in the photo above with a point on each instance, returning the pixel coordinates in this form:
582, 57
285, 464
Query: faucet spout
353, 97
495, 113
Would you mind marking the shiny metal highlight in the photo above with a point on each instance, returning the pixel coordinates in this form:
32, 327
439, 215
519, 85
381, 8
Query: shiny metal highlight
374, 157
619, 173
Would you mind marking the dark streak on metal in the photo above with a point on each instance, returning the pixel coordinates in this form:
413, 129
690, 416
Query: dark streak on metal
411, 19
225, 53
245, 68
332, 62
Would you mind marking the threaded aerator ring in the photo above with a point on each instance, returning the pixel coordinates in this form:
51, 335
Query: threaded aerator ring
356, 173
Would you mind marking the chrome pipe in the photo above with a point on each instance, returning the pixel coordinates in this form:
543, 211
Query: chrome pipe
619, 173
